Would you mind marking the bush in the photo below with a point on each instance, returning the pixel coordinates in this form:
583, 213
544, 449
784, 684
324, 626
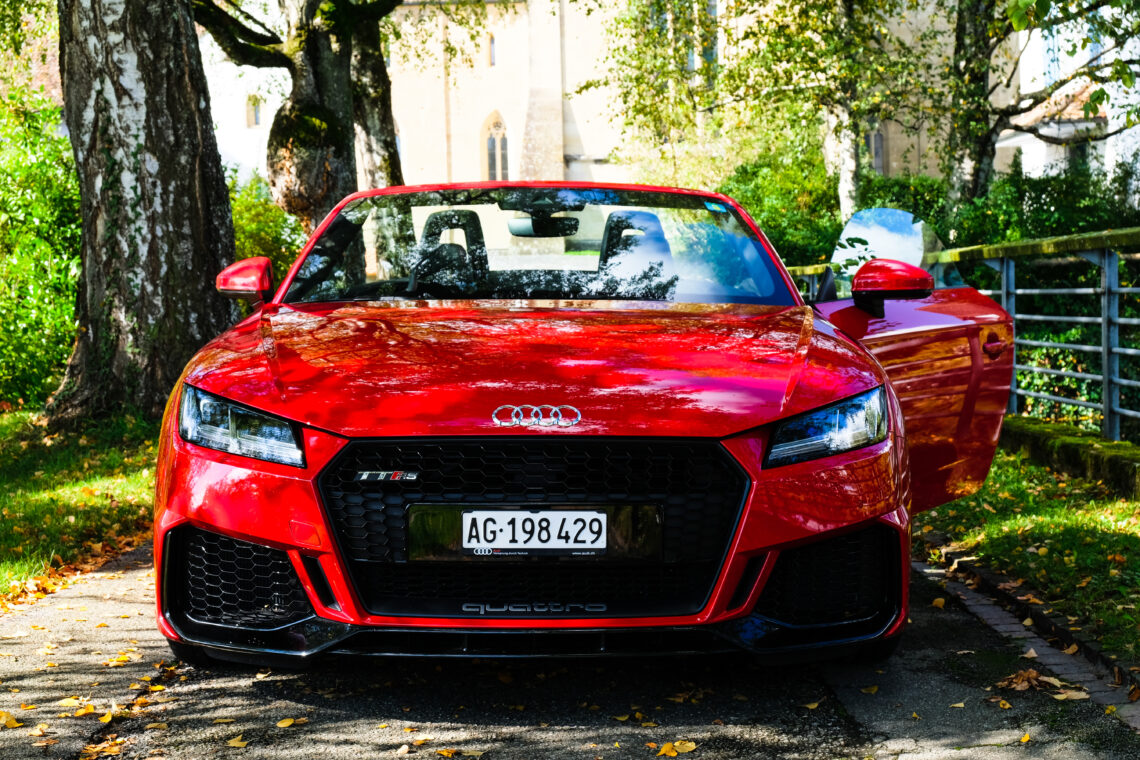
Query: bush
40, 228
792, 198
261, 228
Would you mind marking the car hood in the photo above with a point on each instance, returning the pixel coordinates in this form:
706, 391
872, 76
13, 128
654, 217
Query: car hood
442, 368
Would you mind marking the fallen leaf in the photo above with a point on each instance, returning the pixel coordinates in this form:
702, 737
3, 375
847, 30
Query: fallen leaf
667, 750
446, 752
1025, 738
1073, 649
28, 707
1071, 694
410, 729
87, 709
684, 746
403, 750
940, 603
870, 689
223, 720
39, 730
237, 742
285, 722
161, 726
1030, 655
1027, 622
158, 687
106, 718
620, 717
810, 705
649, 724
1004, 705
958, 704
1110, 710
69, 702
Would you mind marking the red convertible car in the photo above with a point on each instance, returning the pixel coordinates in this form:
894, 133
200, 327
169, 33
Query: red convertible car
509, 419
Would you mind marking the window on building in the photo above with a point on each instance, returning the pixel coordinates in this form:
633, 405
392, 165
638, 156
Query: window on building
875, 145
253, 111
496, 141
490, 50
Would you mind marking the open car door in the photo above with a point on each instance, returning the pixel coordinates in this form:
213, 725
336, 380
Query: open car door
949, 356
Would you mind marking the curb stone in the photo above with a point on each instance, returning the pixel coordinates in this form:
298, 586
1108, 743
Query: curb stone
1125, 677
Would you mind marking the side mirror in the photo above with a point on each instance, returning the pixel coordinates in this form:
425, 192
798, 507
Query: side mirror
885, 279
249, 279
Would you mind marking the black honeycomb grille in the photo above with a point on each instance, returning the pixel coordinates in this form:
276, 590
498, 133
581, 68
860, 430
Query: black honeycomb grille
697, 486
234, 583
844, 579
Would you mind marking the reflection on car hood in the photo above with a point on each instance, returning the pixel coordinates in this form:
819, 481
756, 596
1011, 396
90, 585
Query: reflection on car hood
396, 369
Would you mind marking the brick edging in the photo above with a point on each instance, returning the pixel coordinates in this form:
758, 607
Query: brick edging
1049, 626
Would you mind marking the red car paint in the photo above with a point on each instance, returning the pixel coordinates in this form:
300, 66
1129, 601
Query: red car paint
727, 372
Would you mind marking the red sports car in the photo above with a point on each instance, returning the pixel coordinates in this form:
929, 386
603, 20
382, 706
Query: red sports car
510, 419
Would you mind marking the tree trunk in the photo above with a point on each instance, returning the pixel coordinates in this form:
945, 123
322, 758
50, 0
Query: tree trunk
377, 155
841, 146
973, 131
312, 162
156, 213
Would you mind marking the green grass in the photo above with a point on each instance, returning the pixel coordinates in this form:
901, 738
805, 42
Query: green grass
1071, 539
65, 494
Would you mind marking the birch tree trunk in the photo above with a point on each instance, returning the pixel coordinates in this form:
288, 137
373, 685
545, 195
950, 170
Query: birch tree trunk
156, 213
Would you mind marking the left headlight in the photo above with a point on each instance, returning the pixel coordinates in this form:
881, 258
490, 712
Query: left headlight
213, 422
849, 424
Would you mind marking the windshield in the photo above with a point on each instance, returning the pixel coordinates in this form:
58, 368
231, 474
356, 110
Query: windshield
544, 243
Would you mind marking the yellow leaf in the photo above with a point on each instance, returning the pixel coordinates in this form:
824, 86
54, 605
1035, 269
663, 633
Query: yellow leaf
237, 742
39, 730
667, 750
940, 603
810, 705
620, 717
383, 725
106, 718
102, 625
158, 687
916, 716
300, 721
869, 689
649, 724
69, 702
162, 726
85, 710
684, 746
410, 729
1027, 622
223, 720
1072, 649
1110, 710
1004, 705
285, 722
1025, 738
446, 752
28, 707
421, 742
958, 704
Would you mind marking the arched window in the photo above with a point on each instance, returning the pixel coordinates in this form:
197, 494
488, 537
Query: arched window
496, 142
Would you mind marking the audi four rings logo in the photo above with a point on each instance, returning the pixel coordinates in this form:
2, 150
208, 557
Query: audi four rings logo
543, 416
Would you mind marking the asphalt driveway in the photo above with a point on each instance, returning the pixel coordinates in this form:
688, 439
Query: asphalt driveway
95, 644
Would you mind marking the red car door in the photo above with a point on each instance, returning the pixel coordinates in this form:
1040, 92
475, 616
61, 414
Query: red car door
949, 357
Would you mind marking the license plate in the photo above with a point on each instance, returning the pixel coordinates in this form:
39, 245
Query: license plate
520, 532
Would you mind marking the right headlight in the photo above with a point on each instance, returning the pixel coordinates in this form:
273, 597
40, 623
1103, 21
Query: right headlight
214, 422
846, 425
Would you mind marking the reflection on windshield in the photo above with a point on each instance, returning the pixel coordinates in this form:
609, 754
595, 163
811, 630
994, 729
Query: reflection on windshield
526, 243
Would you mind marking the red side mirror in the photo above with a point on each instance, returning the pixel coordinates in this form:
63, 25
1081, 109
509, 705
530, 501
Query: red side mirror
883, 279
249, 279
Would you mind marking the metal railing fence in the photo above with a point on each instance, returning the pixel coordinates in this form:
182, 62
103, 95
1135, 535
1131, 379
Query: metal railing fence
1119, 340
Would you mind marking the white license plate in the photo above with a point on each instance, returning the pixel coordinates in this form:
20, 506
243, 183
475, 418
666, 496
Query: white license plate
521, 532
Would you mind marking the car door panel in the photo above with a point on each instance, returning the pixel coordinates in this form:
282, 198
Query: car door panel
949, 358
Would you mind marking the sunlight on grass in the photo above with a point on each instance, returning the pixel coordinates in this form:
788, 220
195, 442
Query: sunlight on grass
70, 496
1071, 539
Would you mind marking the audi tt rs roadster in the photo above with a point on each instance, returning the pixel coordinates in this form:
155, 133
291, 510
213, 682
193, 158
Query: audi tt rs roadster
508, 419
